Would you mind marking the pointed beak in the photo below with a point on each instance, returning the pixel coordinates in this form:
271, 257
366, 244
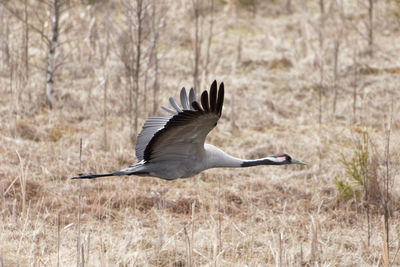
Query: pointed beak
298, 162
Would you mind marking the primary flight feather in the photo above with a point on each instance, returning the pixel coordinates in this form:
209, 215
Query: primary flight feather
171, 147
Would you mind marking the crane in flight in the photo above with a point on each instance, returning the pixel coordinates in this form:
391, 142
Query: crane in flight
171, 147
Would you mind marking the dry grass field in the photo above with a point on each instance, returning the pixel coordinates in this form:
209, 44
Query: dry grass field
278, 65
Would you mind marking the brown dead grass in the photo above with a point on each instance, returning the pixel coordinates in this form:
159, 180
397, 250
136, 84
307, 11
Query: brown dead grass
265, 216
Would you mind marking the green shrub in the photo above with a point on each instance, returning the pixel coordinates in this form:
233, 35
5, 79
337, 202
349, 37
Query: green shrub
356, 170
346, 190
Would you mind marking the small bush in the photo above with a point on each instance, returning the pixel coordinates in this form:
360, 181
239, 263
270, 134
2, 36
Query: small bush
361, 171
346, 190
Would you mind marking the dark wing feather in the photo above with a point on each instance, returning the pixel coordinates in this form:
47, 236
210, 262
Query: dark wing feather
220, 101
196, 106
184, 134
204, 101
213, 96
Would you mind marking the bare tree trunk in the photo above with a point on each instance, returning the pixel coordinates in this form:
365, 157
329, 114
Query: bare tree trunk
157, 23
209, 41
370, 27
51, 54
322, 23
320, 91
5, 55
105, 109
154, 55
6, 44
2, 36
25, 42
139, 16
197, 44
239, 51
289, 6
335, 67
321, 60
355, 81
105, 75
156, 87
126, 40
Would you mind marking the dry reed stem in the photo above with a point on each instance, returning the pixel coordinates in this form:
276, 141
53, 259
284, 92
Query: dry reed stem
3, 201
385, 243
22, 181
78, 240
58, 239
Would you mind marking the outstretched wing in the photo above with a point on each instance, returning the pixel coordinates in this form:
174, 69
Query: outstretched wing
184, 133
155, 124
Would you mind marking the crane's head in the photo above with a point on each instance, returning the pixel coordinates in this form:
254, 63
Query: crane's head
286, 159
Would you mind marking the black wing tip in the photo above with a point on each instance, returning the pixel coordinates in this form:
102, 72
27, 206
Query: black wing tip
196, 106
220, 100
213, 103
204, 101
213, 96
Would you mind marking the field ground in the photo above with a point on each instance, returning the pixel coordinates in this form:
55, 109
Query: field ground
278, 68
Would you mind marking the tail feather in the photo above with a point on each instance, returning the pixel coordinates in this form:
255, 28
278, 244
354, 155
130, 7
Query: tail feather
137, 169
92, 175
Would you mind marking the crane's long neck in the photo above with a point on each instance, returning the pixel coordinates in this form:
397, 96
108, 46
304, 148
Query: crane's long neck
263, 161
216, 158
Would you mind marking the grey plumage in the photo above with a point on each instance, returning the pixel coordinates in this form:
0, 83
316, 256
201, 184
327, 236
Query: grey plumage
192, 97
150, 128
168, 110
184, 100
171, 147
174, 104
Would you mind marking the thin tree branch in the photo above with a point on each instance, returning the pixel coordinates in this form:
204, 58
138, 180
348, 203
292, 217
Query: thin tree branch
16, 15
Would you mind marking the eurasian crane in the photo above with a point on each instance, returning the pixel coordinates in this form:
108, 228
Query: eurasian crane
171, 147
